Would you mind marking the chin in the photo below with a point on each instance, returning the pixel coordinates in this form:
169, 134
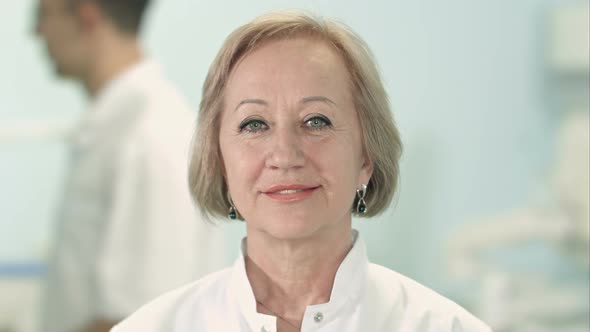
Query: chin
293, 227
61, 72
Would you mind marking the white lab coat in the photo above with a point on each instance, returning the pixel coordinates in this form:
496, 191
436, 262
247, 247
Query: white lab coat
127, 228
365, 297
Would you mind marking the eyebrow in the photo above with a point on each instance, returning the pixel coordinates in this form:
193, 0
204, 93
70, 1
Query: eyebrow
305, 100
318, 98
251, 101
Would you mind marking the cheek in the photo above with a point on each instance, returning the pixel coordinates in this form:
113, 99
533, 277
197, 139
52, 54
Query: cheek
242, 162
342, 153
59, 34
339, 162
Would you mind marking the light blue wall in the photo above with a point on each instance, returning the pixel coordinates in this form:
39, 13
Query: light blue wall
30, 171
465, 79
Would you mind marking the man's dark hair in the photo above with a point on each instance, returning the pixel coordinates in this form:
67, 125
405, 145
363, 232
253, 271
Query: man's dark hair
127, 15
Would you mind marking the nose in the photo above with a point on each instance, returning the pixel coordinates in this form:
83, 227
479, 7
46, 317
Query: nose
285, 150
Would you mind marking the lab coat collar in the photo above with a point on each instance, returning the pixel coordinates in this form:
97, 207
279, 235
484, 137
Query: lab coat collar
348, 287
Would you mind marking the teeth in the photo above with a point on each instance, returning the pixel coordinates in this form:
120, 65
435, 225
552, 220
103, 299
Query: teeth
288, 191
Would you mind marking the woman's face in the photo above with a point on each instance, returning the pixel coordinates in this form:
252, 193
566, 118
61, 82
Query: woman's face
290, 140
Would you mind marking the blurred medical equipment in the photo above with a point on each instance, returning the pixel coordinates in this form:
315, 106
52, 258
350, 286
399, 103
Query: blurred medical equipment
550, 293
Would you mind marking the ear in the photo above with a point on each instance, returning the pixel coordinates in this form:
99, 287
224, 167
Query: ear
89, 16
366, 170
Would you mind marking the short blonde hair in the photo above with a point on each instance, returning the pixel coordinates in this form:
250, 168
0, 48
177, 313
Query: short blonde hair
381, 138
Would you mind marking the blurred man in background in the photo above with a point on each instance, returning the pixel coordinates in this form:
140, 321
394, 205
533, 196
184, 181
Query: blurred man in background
127, 228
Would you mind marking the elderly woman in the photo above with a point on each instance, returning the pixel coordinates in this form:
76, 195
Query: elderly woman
295, 136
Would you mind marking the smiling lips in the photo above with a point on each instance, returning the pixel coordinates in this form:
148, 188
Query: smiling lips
289, 193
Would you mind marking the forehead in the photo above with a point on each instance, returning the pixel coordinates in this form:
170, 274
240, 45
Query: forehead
295, 51
290, 62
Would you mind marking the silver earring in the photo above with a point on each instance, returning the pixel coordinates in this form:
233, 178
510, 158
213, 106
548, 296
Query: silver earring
233, 213
361, 205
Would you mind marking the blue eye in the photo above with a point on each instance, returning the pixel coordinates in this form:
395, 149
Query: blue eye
317, 122
253, 126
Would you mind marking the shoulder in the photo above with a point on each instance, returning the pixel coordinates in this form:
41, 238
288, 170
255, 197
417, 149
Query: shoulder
166, 119
422, 307
156, 90
148, 96
159, 314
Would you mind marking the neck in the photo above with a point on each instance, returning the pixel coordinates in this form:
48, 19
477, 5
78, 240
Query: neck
112, 57
288, 275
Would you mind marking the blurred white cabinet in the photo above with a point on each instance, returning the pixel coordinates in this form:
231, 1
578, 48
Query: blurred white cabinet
19, 303
569, 48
